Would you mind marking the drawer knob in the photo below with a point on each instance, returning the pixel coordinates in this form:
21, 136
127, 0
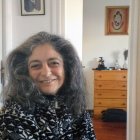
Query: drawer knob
100, 94
100, 85
123, 104
100, 76
124, 76
99, 103
123, 95
124, 86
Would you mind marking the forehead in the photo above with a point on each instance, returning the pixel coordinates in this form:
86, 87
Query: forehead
44, 51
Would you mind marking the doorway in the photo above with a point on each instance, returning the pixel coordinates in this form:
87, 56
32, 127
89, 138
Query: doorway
95, 35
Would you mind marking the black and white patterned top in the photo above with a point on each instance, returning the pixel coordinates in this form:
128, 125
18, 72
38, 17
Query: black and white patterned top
44, 123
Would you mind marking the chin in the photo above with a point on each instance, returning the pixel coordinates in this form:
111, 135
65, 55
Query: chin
49, 92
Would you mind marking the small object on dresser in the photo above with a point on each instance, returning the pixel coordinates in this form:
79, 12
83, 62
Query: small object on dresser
117, 66
101, 65
111, 68
125, 53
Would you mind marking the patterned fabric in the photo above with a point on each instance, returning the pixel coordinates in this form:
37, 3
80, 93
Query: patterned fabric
45, 123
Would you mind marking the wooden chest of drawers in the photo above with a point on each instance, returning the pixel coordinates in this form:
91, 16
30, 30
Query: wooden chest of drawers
110, 90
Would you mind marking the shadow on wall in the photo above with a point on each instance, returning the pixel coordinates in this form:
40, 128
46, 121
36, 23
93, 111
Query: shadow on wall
88, 74
95, 63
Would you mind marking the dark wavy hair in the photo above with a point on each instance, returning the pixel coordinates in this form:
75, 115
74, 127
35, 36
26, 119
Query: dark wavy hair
20, 86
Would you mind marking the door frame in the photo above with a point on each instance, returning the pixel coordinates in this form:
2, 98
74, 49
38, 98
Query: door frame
133, 112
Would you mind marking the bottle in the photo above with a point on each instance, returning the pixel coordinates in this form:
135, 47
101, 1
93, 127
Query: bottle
125, 65
117, 66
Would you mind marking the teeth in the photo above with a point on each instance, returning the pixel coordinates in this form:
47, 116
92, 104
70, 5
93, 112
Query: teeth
46, 81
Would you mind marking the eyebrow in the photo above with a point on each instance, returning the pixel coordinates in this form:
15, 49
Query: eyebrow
56, 58
50, 59
33, 61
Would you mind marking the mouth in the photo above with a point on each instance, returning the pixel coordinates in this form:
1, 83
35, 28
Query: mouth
47, 81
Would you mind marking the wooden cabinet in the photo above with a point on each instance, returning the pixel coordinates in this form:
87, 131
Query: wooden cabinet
110, 90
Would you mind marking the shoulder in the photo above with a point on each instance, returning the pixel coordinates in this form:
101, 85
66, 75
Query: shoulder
15, 121
12, 111
12, 108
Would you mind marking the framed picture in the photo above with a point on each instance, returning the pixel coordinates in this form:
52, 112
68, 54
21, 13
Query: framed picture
117, 18
32, 7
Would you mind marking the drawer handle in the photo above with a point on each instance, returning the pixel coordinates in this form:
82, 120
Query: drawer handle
100, 85
124, 76
123, 104
123, 85
123, 94
99, 103
100, 94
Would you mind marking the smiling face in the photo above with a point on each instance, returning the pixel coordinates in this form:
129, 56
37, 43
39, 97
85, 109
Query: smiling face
46, 69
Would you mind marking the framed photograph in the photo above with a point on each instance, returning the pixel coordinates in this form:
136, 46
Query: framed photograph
32, 7
117, 18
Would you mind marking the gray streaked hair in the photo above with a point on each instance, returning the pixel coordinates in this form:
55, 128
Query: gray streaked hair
20, 86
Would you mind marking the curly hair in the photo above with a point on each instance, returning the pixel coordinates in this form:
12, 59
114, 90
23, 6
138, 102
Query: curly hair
20, 86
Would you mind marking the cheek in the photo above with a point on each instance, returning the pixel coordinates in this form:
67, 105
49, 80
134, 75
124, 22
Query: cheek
32, 74
61, 74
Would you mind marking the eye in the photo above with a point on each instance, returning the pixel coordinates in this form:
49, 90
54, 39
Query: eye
35, 65
54, 63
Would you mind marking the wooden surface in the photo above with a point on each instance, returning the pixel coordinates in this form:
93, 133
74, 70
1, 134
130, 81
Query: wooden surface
110, 90
108, 93
109, 131
120, 75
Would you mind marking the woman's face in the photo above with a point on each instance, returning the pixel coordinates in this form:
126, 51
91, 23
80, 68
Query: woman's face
46, 68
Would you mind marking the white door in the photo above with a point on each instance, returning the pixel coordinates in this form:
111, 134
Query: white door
0, 45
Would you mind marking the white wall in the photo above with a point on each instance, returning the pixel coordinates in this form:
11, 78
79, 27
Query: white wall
96, 43
59, 18
17, 28
74, 23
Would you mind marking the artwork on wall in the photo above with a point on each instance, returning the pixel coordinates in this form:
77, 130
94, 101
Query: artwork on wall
117, 18
32, 7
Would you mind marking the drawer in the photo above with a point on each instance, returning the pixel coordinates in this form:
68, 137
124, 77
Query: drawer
121, 85
110, 93
111, 75
110, 103
98, 110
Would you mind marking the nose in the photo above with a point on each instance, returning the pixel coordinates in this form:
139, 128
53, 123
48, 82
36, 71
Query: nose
46, 70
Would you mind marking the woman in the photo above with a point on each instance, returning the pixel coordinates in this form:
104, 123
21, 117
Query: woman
45, 94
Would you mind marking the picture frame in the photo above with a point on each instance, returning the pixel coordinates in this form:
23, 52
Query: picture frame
117, 18
32, 7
